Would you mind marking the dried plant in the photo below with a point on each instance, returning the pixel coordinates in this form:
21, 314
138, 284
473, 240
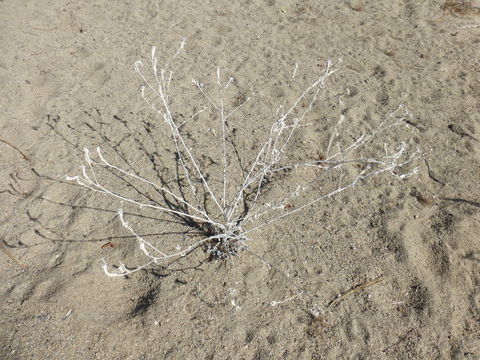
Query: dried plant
229, 198
461, 7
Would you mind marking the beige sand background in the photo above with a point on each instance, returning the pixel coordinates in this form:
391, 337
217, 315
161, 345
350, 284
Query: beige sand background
67, 78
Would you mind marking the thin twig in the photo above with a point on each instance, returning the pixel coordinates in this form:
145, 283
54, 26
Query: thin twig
340, 297
16, 148
6, 252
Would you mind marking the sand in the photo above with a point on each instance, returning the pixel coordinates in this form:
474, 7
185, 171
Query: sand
387, 270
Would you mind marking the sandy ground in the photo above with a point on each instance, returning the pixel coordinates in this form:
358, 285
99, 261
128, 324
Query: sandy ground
408, 249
